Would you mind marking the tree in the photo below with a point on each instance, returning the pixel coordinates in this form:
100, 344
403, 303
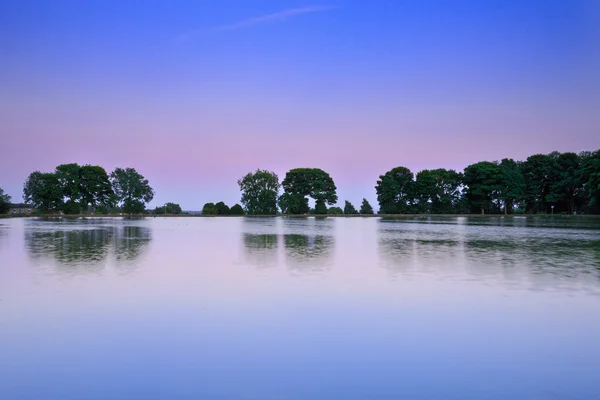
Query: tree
589, 175
4, 202
94, 187
68, 176
259, 192
222, 208
291, 203
483, 181
237, 210
437, 191
349, 208
312, 182
43, 191
132, 191
169, 208
537, 172
512, 184
395, 191
335, 211
565, 182
365, 207
210, 209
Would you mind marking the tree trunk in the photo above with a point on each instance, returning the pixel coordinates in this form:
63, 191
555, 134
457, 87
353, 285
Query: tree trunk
482, 211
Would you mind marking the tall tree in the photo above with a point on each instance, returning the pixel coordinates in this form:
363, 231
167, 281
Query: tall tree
132, 190
43, 191
512, 184
69, 180
259, 192
365, 207
483, 180
589, 175
565, 182
94, 187
537, 171
4, 202
349, 208
395, 191
437, 191
312, 182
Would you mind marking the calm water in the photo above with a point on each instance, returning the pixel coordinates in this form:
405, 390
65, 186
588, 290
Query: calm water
357, 308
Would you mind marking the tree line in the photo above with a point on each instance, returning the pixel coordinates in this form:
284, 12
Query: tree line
544, 183
75, 189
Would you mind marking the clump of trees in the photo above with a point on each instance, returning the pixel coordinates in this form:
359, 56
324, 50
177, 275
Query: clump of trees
260, 192
75, 189
169, 208
221, 208
544, 183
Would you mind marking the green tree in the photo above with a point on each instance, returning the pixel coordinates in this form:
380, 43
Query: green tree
68, 176
320, 208
132, 191
349, 208
483, 181
365, 207
291, 203
237, 210
169, 208
335, 211
512, 184
395, 191
43, 191
4, 202
565, 182
312, 182
259, 192
210, 209
95, 188
589, 175
222, 208
437, 191
537, 172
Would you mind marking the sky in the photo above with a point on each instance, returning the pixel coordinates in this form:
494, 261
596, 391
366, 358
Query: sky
195, 94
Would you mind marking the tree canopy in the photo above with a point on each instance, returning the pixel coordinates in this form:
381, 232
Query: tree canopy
237, 209
395, 191
312, 182
365, 207
349, 208
259, 192
132, 191
169, 208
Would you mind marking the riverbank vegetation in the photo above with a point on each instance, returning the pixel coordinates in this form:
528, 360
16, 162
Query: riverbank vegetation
561, 183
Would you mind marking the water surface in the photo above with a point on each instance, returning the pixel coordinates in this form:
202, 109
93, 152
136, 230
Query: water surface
300, 308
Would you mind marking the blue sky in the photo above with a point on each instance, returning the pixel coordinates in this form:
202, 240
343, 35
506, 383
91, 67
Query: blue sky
194, 94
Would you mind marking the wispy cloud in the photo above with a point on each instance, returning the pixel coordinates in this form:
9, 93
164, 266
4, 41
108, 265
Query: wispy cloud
273, 17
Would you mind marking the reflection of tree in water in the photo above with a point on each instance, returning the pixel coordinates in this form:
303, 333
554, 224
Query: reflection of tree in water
261, 249
564, 256
69, 247
130, 241
407, 255
88, 248
308, 253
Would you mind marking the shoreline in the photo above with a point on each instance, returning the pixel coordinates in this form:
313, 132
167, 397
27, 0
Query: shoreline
140, 216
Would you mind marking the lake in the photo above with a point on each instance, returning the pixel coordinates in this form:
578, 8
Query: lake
300, 308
